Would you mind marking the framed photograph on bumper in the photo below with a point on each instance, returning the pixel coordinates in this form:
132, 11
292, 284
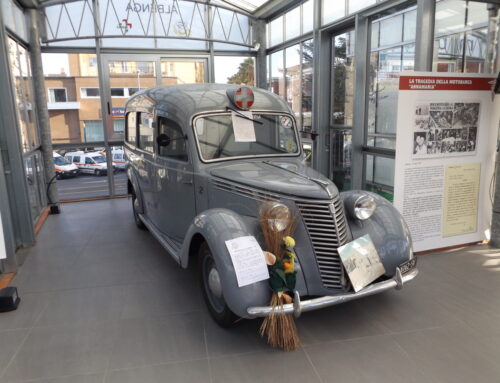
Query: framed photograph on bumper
361, 262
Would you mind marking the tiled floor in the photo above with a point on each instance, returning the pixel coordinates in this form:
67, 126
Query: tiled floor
103, 302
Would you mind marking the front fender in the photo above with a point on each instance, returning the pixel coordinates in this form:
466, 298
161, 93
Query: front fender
386, 227
218, 226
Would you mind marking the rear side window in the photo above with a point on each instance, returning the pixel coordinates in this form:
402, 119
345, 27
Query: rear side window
146, 132
131, 136
177, 147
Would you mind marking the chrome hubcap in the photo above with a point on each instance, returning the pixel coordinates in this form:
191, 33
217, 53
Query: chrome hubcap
214, 283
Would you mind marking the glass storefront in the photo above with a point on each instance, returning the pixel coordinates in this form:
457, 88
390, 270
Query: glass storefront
291, 77
460, 37
22, 81
392, 51
341, 116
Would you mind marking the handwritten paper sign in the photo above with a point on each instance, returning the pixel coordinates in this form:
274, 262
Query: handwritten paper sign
248, 260
244, 130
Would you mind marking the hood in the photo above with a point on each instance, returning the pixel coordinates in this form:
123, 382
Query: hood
289, 178
67, 167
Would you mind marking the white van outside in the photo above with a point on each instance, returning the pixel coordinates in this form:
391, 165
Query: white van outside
119, 160
63, 167
89, 162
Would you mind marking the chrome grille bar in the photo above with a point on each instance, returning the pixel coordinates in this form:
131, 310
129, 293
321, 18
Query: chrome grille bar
326, 224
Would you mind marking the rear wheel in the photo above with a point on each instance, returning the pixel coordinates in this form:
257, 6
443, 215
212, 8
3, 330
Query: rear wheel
97, 172
212, 289
137, 220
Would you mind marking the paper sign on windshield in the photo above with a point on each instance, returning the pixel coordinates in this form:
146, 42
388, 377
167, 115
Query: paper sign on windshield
243, 128
248, 260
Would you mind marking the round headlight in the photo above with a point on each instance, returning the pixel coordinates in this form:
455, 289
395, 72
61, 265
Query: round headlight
280, 217
364, 207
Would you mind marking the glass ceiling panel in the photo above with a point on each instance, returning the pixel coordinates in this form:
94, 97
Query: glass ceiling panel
248, 5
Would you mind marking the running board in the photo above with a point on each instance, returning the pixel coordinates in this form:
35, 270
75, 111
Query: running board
165, 242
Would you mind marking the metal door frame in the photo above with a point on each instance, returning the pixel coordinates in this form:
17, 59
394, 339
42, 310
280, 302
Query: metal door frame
105, 88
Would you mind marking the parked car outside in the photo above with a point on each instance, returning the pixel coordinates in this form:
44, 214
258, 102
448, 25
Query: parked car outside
195, 186
89, 162
63, 167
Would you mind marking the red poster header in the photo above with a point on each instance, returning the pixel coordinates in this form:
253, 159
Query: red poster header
445, 83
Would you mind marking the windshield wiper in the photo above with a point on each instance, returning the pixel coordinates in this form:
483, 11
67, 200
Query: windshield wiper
241, 115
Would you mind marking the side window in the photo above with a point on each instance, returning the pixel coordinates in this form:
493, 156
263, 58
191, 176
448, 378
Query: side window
88, 160
69, 158
146, 132
76, 159
177, 147
131, 136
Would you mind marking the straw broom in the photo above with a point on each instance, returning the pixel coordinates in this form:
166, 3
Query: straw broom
279, 329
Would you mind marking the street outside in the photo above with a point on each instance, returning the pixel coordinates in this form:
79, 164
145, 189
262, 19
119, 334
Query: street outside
90, 186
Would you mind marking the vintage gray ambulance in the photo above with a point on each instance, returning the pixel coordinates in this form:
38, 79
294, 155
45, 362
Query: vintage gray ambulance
197, 181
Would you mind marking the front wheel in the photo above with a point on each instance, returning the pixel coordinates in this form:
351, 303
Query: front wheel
212, 289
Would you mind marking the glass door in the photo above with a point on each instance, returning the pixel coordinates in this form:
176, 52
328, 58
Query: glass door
124, 75
342, 108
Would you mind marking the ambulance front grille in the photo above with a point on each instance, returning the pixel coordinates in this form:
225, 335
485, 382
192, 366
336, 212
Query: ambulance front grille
327, 229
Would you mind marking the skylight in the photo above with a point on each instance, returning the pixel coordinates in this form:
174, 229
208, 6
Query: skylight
248, 5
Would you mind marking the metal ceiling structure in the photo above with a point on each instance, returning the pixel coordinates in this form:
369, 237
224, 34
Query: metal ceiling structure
249, 6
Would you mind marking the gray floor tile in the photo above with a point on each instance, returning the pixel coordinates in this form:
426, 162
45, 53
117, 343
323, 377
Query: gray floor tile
160, 298
193, 371
62, 350
47, 281
28, 311
42, 259
241, 338
10, 341
367, 360
453, 354
148, 341
81, 306
111, 297
346, 321
263, 367
407, 310
90, 378
90, 274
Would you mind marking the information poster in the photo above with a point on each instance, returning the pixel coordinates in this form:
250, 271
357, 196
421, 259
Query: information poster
445, 149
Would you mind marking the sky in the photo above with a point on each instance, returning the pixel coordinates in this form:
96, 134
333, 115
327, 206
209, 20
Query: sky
55, 63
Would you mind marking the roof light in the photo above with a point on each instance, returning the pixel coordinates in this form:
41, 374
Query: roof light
242, 97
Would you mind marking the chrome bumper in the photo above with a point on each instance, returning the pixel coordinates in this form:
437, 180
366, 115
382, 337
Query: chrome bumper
298, 307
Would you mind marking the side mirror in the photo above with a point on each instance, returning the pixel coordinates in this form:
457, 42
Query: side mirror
163, 140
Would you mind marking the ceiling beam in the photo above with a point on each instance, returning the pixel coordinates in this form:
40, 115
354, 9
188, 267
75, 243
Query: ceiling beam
274, 8
28, 3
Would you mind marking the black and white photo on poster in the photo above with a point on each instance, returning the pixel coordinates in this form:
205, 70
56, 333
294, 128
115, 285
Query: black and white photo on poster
443, 129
